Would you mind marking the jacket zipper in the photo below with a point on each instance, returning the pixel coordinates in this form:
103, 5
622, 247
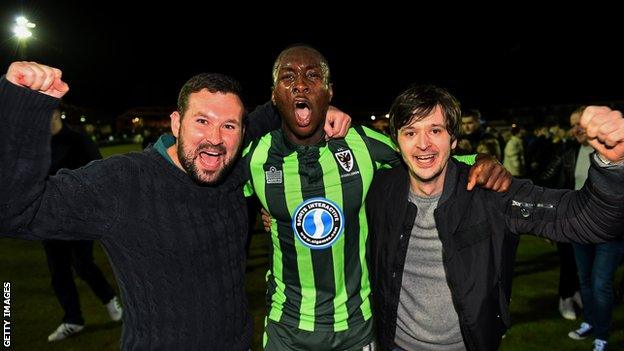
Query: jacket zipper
465, 332
468, 339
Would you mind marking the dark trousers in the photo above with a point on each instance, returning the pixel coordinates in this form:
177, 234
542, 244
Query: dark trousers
596, 265
62, 255
568, 276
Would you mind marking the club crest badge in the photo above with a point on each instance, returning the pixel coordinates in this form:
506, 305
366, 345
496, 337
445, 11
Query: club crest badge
345, 159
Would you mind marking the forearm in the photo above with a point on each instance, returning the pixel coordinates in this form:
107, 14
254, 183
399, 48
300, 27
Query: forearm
24, 141
593, 214
31, 207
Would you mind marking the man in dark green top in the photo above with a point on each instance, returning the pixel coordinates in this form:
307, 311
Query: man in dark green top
318, 285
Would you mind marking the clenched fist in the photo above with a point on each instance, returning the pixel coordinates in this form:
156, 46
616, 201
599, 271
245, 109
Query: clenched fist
38, 77
605, 131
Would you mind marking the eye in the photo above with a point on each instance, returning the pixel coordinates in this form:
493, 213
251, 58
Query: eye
313, 75
409, 134
436, 131
287, 76
202, 121
230, 126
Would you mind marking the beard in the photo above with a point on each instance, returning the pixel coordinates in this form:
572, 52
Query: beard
188, 160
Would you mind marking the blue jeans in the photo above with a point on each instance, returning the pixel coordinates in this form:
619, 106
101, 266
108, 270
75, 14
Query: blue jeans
596, 265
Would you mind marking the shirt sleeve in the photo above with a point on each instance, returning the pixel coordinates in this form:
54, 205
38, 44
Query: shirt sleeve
593, 214
382, 149
467, 159
248, 189
69, 206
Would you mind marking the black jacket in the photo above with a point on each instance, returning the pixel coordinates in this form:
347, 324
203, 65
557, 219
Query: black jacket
478, 230
559, 172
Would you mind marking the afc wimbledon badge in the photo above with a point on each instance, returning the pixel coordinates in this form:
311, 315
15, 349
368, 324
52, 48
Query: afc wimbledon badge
345, 159
318, 223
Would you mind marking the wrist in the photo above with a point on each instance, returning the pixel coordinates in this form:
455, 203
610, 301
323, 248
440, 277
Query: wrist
605, 161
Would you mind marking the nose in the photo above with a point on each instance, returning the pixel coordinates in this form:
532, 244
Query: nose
422, 141
300, 85
213, 135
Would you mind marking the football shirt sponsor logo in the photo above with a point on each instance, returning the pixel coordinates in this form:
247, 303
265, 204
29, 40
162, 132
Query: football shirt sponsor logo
318, 223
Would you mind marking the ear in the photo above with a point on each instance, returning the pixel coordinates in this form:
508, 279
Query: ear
454, 144
331, 91
175, 123
273, 96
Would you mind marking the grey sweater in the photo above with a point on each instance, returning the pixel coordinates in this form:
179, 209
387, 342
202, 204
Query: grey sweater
425, 318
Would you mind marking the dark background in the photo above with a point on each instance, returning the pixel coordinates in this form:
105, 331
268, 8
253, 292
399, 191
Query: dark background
121, 55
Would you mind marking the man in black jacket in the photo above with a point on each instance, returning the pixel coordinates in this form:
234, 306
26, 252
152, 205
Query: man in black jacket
441, 257
172, 218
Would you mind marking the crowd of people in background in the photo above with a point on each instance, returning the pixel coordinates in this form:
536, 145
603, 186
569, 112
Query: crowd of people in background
426, 125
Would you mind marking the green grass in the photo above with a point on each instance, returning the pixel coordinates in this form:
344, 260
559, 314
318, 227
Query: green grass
35, 312
536, 323
108, 151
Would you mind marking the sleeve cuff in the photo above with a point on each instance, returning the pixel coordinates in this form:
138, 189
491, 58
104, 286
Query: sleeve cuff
601, 162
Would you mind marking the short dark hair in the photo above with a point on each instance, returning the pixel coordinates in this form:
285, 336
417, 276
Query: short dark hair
417, 102
472, 113
322, 59
213, 82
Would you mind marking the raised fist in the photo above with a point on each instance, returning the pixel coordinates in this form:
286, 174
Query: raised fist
605, 132
38, 77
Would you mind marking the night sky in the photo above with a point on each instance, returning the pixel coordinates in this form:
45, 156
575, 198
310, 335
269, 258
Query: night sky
115, 57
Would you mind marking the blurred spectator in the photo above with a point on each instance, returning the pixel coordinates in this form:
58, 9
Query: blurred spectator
71, 149
539, 155
474, 133
490, 147
464, 147
514, 153
559, 134
382, 125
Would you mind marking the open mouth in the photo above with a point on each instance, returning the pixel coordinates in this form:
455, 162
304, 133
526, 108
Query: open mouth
211, 160
425, 160
302, 113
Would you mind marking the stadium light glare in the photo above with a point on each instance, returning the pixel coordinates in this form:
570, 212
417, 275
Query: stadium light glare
22, 28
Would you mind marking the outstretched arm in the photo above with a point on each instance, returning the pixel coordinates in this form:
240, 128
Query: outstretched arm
595, 213
31, 206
